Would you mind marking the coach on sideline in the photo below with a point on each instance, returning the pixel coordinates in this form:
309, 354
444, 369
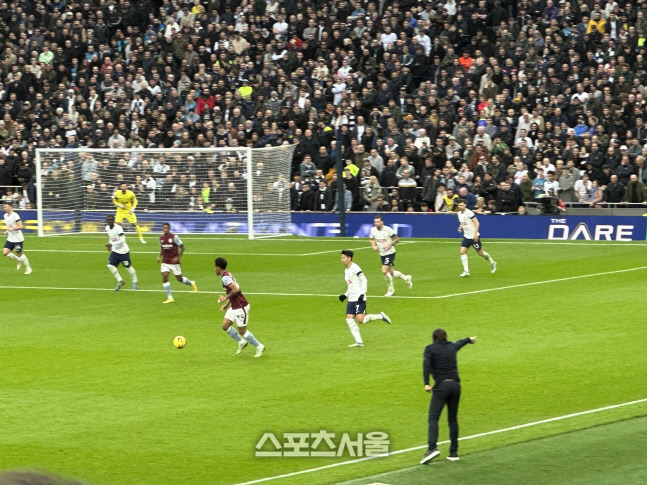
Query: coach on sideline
440, 362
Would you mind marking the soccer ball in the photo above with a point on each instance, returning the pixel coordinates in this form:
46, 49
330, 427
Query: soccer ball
179, 342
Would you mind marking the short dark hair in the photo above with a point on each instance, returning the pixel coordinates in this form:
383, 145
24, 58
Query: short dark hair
348, 252
8, 202
378, 217
166, 224
221, 263
439, 335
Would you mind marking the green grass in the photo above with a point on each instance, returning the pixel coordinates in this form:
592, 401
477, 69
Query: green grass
604, 454
93, 388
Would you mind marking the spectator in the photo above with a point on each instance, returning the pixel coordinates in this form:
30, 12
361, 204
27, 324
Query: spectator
307, 168
614, 192
468, 197
635, 191
506, 200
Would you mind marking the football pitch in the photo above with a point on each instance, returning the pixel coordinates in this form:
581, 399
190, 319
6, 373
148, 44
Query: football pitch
554, 391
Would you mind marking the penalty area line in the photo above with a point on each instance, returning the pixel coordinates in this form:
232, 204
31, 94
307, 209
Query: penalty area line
422, 447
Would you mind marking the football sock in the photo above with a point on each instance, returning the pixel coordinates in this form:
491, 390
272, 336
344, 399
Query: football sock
24, 260
464, 261
371, 317
249, 336
139, 232
133, 274
389, 281
398, 274
354, 329
187, 281
114, 272
233, 334
488, 257
167, 289
13, 256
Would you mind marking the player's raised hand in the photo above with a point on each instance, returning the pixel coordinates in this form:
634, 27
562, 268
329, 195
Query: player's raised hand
222, 298
473, 340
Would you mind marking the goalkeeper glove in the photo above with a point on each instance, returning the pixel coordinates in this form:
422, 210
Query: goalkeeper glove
361, 298
132, 210
342, 297
121, 206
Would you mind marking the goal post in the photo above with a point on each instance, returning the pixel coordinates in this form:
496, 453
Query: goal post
243, 191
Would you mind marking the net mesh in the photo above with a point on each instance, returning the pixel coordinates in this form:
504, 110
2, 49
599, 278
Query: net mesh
198, 191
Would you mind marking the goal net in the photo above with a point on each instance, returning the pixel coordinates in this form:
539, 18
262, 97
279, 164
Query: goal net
215, 191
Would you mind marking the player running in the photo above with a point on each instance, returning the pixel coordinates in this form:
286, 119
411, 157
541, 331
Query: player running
237, 310
384, 239
171, 250
15, 239
356, 294
126, 203
469, 225
119, 253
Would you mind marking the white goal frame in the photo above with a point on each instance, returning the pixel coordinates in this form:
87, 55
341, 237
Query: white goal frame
247, 152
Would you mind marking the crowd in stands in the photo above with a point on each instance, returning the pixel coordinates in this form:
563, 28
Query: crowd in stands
497, 102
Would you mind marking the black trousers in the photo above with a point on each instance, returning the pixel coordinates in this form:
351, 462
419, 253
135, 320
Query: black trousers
447, 392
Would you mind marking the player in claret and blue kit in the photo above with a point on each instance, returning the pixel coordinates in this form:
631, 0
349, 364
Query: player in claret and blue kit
171, 250
119, 253
237, 310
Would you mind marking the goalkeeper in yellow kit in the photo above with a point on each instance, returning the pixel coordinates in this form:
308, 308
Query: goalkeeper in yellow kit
126, 202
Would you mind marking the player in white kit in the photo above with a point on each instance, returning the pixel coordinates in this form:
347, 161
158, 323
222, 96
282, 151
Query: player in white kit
468, 224
15, 239
119, 253
356, 294
384, 239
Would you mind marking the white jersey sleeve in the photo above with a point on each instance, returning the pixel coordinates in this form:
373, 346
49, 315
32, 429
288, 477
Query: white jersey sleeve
11, 221
117, 239
177, 240
382, 238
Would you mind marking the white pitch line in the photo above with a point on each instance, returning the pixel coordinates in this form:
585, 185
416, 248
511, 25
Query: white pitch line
366, 246
438, 297
157, 252
533, 283
421, 447
336, 251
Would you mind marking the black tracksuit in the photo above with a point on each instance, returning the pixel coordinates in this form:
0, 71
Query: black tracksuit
440, 362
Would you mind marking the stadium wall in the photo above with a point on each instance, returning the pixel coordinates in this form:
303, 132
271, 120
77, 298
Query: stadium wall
410, 225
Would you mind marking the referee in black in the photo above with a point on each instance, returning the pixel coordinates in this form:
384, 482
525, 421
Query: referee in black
440, 362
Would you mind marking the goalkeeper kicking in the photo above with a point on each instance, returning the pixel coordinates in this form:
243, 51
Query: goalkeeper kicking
126, 202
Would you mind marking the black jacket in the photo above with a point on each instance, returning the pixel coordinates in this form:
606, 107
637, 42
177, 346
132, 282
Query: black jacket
439, 361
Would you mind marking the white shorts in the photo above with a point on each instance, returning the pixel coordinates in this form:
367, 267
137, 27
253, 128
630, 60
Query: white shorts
176, 269
240, 316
